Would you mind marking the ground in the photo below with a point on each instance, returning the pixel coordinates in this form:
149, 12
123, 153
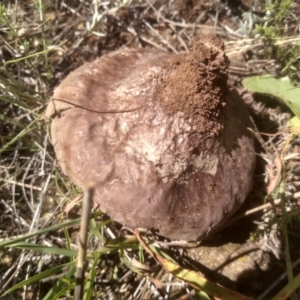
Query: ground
41, 42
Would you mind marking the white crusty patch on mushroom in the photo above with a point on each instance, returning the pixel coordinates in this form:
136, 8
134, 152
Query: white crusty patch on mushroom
161, 135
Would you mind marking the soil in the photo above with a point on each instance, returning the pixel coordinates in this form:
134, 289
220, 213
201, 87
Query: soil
196, 83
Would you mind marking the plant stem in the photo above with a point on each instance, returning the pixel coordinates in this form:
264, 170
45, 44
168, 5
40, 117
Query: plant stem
286, 239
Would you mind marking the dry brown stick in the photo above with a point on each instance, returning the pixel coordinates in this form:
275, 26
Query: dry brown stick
82, 242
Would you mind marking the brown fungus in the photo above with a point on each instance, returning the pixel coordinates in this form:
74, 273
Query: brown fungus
161, 135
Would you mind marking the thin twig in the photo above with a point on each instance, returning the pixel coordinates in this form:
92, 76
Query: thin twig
82, 243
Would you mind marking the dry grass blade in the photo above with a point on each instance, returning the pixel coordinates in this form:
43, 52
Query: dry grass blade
191, 277
274, 175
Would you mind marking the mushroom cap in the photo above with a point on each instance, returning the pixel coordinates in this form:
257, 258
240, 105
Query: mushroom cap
161, 135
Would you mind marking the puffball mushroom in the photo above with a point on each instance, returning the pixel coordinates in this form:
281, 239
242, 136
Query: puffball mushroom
161, 135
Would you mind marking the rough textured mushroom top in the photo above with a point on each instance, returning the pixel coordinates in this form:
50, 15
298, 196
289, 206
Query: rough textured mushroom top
161, 135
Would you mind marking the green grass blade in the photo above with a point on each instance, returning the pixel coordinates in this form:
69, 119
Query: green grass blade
291, 287
11, 242
62, 286
91, 278
36, 278
95, 229
45, 249
194, 279
26, 130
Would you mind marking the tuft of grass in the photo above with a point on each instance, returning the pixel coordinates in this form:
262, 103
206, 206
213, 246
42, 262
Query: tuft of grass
279, 35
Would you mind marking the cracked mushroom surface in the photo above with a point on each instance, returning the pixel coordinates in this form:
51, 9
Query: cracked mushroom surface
161, 135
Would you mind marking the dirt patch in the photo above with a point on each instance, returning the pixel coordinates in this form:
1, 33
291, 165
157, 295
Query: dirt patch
195, 83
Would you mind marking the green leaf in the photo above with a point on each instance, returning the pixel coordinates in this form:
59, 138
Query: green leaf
280, 88
294, 125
